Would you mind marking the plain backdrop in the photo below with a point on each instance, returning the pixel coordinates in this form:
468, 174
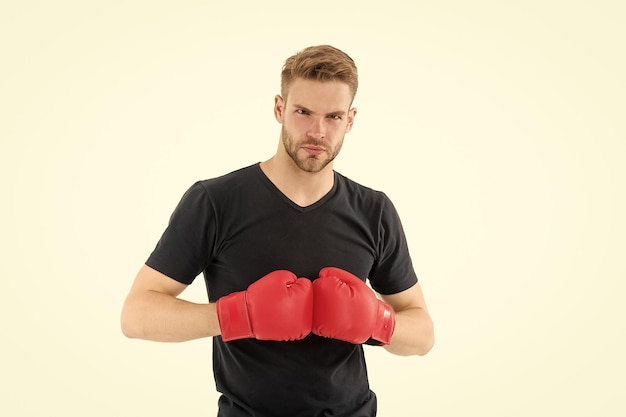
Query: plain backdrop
496, 127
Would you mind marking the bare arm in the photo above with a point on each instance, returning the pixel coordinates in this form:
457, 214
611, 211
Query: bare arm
152, 311
414, 332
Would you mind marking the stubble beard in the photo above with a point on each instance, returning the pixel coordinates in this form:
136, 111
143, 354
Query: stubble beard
309, 163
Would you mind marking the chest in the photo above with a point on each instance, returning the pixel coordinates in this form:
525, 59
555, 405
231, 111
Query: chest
254, 242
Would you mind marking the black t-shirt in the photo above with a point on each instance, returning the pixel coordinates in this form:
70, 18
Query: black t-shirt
239, 227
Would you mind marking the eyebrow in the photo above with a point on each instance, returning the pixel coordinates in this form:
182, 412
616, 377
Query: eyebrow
337, 112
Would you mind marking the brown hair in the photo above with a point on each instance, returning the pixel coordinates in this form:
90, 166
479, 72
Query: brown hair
322, 63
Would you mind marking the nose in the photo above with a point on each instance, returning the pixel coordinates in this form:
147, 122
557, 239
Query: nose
317, 128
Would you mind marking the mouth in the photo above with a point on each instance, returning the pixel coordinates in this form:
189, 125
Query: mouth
313, 150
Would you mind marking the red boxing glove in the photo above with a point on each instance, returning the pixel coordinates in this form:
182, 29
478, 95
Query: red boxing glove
345, 308
278, 306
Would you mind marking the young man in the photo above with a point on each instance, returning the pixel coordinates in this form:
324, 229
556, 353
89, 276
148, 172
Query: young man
285, 247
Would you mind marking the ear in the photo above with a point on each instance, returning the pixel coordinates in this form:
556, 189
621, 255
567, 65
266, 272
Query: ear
351, 116
279, 108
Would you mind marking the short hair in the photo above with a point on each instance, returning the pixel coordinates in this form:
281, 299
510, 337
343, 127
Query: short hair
322, 63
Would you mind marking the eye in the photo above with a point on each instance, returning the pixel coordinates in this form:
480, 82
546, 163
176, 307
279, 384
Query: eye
334, 116
302, 111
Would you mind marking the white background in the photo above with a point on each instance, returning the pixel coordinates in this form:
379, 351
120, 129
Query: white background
496, 127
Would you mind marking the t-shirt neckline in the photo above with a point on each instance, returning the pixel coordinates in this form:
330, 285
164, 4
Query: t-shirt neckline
290, 202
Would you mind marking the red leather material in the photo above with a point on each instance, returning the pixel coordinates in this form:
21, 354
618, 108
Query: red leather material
345, 308
385, 323
232, 313
278, 306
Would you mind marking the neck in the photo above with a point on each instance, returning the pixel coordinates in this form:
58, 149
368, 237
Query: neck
301, 187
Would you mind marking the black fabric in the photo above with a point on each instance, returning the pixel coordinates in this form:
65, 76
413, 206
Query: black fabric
237, 228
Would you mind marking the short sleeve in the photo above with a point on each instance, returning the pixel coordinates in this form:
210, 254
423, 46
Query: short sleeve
393, 270
184, 249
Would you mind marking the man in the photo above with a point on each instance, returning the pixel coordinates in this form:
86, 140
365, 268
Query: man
285, 247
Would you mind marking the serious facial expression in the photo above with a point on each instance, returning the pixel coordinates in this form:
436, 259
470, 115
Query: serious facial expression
315, 118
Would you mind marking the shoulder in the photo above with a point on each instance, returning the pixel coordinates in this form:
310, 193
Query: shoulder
360, 194
350, 186
232, 179
205, 193
368, 202
228, 185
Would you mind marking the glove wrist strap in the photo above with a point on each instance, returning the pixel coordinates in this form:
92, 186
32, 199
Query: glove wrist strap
232, 314
385, 323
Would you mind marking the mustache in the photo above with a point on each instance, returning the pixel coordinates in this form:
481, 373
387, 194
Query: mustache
314, 142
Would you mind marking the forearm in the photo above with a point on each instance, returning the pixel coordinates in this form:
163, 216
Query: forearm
413, 334
160, 317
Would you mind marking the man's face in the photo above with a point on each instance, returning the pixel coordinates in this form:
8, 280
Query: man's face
315, 118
